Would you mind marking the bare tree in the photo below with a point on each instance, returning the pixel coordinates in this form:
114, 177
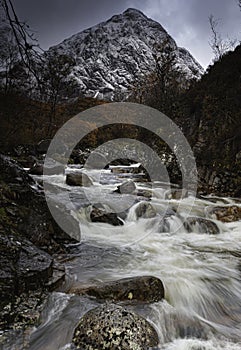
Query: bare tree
219, 45
160, 88
24, 40
8, 59
57, 82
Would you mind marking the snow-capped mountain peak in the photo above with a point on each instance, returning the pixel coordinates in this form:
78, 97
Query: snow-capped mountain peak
113, 55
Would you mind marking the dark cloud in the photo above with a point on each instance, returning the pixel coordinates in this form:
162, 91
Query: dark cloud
185, 20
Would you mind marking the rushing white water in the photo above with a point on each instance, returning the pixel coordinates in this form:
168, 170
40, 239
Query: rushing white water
201, 272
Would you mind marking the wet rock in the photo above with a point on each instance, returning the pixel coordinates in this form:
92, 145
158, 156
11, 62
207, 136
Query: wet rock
79, 157
166, 218
27, 162
23, 151
12, 172
121, 162
23, 312
8, 275
177, 194
190, 327
105, 215
28, 233
237, 192
215, 199
53, 167
64, 217
23, 267
144, 193
42, 146
147, 289
114, 327
127, 187
118, 169
49, 168
226, 214
34, 267
57, 277
126, 169
36, 169
193, 224
78, 179
145, 210
96, 160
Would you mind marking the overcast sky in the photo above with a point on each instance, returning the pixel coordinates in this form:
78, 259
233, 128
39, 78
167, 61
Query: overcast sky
185, 20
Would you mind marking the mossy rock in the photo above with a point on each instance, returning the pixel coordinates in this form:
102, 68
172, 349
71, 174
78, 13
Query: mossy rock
110, 326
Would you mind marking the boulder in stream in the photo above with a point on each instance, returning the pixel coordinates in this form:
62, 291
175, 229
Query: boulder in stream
192, 224
96, 160
145, 210
177, 194
226, 214
127, 187
78, 179
42, 146
145, 193
101, 214
110, 326
147, 289
36, 169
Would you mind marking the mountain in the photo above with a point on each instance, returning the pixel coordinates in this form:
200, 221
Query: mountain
111, 56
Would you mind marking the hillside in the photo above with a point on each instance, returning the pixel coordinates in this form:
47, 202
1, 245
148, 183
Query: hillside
211, 114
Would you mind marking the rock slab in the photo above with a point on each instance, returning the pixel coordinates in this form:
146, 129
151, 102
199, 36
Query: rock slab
132, 289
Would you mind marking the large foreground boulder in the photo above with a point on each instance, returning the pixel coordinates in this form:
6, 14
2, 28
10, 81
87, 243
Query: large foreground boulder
114, 327
28, 234
132, 289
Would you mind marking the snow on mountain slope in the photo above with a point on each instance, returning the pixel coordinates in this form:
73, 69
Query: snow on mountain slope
111, 56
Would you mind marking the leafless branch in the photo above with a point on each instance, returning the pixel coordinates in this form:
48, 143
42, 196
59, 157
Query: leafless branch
27, 44
219, 45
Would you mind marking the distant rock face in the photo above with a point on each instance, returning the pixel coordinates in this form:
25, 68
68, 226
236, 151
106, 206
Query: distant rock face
114, 327
113, 55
